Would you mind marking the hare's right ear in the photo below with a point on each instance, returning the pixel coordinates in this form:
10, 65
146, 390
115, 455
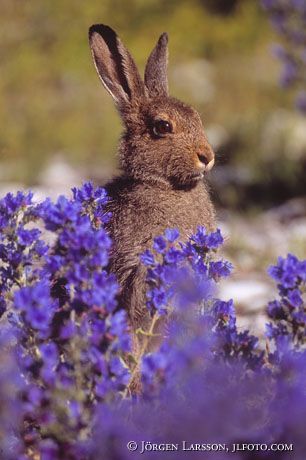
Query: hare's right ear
156, 79
115, 66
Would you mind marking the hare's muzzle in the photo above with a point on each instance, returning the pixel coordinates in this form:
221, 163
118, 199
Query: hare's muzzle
206, 162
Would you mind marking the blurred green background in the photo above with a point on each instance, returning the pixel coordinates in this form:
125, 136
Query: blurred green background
52, 104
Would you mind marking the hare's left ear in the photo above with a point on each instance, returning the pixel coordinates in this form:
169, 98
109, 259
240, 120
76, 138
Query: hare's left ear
156, 79
115, 66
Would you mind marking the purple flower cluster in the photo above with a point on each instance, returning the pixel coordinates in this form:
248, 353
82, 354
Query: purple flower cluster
10, 388
181, 274
193, 340
213, 405
66, 357
181, 280
20, 245
210, 382
60, 301
288, 313
288, 17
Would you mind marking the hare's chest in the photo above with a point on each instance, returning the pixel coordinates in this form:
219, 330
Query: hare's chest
151, 212
137, 218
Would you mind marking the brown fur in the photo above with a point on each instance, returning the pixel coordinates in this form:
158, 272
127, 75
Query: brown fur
161, 182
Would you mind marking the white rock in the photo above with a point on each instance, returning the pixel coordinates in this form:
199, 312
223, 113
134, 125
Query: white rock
59, 174
249, 294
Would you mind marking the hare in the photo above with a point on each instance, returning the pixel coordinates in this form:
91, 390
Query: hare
163, 155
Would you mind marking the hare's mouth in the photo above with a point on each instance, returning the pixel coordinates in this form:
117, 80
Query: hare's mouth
187, 181
196, 176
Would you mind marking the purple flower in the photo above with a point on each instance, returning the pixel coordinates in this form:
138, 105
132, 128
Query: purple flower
279, 51
75, 409
286, 271
158, 298
289, 312
48, 449
172, 234
288, 17
27, 237
11, 204
301, 99
159, 244
200, 237
118, 368
119, 329
299, 5
49, 354
289, 73
86, 192
36, 304
295, 298
220, 269
173, 256
214, 240
275, 310
155, 369
207, 240
11, 386
147, 258
67, 330
268, 4
224, 309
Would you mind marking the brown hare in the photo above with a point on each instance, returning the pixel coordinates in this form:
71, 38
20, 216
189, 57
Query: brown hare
163, 155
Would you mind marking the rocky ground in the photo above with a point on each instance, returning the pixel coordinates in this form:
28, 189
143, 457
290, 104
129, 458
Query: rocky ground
252, 243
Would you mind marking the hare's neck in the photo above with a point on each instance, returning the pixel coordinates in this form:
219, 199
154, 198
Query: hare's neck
153, 181
158, 182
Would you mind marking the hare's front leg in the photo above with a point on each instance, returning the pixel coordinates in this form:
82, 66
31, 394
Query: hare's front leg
146, 329
133, 298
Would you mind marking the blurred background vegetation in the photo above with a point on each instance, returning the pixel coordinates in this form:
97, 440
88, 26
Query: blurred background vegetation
52, 105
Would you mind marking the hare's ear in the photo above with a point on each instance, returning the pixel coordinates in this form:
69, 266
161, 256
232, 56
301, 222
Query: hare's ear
115, 66
156, 79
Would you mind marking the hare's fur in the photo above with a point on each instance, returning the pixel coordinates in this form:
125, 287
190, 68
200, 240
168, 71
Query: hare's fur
161, 184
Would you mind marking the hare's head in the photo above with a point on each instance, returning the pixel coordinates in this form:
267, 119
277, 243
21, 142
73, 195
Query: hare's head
164, 140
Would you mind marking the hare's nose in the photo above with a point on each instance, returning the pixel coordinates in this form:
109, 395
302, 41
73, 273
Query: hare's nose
207, 160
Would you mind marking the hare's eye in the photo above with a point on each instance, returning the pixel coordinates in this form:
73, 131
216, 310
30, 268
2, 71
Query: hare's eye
161, 127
